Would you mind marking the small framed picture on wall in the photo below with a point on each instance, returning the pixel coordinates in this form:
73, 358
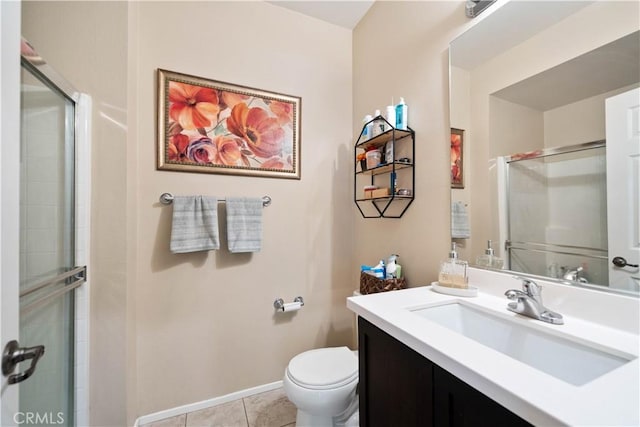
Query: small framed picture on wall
457, 171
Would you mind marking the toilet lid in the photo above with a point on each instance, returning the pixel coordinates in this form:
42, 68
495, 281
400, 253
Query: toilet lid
324, 368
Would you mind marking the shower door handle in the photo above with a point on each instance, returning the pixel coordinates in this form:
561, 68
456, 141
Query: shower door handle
14, 354
621, 262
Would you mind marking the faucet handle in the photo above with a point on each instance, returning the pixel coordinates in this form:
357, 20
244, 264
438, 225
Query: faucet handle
529, 286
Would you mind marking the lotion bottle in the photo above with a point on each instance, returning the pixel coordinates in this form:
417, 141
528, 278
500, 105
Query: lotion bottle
402, 113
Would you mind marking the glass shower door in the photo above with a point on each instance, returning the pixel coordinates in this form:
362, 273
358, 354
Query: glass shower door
557, 213
47, 262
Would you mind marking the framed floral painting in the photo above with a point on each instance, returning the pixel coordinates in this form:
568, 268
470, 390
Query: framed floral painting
215, 127
457, 173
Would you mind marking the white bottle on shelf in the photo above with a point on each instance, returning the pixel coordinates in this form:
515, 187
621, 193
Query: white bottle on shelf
378, 125
390, 116
367, 127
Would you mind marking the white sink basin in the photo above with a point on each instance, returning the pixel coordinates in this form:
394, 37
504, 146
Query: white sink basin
566, 360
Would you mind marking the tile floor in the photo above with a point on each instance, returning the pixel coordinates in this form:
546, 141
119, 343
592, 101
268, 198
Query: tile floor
268, 409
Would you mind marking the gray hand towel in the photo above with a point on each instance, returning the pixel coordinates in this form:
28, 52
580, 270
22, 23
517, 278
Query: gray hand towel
244, 224
459, 221
195, 224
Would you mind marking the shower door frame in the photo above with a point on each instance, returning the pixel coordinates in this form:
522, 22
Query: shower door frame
81, 123
505, 225
9, 190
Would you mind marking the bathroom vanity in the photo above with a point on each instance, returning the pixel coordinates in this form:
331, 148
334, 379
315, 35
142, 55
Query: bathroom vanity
433, 359
398, 386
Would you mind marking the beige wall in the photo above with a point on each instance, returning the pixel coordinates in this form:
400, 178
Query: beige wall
174, 329
460, 118
401, 49
205, 322
579, 122
86, 42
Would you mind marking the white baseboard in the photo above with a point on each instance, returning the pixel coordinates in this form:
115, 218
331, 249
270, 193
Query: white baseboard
157, 416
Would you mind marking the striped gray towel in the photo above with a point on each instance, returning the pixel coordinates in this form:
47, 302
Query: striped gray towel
244, 224
459, 221
195, 224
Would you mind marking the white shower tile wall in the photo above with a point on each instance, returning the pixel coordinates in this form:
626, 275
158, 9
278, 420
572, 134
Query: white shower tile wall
41, 209
268, 409
44, 249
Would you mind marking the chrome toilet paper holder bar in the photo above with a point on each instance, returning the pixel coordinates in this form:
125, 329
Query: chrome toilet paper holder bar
278, 304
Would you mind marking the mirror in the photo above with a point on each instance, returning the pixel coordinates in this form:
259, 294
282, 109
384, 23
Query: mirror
528, 84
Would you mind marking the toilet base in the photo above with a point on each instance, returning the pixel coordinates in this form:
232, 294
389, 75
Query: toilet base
349, 418
304, 419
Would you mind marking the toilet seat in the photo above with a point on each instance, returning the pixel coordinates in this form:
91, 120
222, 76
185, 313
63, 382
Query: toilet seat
323, 368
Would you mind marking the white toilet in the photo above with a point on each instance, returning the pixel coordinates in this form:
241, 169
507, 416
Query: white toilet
322, 384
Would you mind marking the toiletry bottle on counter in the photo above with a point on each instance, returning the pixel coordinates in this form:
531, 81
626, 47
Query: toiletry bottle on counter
453, 272
392, 267
489, 259
379, 270
402, 115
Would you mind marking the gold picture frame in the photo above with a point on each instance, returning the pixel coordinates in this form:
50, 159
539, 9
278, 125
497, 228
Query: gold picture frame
210, 126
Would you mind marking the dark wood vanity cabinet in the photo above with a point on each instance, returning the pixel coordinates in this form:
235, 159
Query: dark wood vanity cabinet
394, 381
400, 387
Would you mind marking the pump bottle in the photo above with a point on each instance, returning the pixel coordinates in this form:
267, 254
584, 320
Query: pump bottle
402, 113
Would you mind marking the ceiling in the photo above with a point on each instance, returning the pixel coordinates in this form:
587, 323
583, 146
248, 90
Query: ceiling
602, 70
345, 14
497, 32
612, 66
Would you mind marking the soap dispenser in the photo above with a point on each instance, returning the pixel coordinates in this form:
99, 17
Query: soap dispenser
453, 272
489, 259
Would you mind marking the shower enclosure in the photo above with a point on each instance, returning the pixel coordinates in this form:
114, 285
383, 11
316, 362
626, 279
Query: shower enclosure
49, 271
556, 212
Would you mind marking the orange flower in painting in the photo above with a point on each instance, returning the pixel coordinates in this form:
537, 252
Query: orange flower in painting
228, 151
455, 148
456, 158
193, 107
282, 110
231, 99
455, 173
178, 147
277, 163
263, 134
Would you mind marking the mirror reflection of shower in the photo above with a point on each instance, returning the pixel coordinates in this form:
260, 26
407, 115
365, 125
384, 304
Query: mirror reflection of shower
554, 205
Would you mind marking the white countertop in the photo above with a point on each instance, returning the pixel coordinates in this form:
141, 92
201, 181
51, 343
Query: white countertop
610, 400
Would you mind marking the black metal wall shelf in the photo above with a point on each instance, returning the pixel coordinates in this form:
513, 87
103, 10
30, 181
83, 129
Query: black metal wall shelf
393, 205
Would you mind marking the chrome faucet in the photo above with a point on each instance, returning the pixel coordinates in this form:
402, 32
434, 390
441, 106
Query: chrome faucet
528, 302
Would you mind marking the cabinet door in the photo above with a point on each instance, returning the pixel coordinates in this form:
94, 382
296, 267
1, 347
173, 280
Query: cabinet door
457, 404
395, 381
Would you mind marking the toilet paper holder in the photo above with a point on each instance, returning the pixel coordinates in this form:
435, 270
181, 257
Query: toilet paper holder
280, 305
